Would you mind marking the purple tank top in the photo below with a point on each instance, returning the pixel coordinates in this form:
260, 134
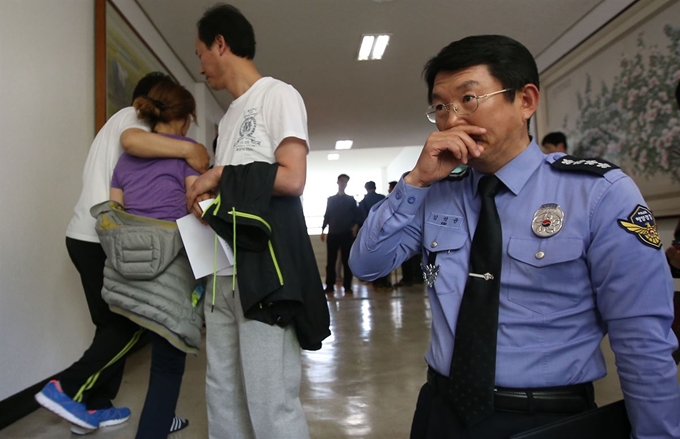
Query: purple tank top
153, 188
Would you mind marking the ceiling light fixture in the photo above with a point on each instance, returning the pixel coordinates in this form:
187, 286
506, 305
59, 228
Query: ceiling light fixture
373, 47
366, 46
333, 156
343, 144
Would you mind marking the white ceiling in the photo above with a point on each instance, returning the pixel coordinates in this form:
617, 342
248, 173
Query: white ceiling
312, 44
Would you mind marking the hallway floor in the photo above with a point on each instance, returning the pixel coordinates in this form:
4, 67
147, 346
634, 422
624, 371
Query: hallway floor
363, 383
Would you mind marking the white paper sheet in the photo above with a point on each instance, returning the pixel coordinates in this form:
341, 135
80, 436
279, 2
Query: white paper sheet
199, 242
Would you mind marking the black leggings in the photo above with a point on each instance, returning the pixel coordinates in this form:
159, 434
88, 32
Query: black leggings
167, 369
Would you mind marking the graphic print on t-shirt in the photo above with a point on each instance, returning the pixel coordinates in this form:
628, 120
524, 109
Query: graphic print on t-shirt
246, 141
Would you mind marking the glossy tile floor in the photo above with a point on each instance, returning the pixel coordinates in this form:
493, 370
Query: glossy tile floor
362, 384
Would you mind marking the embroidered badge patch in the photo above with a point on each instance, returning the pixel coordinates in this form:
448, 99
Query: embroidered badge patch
642, 223
594, 166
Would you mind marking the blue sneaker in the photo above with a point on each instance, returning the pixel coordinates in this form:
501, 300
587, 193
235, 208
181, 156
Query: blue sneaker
55, 400
113, 416
105, 418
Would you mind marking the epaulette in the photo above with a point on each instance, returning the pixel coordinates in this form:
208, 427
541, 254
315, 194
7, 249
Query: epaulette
593, 166
459, 173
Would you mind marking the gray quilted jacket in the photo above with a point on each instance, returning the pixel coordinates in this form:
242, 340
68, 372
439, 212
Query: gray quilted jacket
147, 276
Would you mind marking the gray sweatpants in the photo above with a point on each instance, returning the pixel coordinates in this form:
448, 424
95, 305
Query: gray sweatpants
254, 373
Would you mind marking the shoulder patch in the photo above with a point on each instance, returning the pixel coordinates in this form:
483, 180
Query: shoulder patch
641, 222
459, 173
594, 166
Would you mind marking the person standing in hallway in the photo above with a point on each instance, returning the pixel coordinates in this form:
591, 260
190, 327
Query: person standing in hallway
342, 218
83, 393
554, 142
371, 199
254, 359
531, 260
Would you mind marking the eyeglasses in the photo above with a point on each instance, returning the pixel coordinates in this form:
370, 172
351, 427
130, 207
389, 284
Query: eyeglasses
467, 105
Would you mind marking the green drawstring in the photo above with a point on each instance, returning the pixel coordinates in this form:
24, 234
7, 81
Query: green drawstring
217, 203
234, 214
276, 263
214, 274
233, 276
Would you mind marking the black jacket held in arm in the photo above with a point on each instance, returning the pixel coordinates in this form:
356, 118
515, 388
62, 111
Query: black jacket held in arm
274, 262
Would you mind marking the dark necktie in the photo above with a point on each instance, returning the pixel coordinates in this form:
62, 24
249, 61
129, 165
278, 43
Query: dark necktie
473, 366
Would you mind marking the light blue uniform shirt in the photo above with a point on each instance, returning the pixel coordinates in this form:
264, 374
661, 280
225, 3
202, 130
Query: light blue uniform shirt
559, 294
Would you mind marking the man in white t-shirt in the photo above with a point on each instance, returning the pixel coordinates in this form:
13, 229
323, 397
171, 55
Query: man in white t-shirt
254, 371
82, 394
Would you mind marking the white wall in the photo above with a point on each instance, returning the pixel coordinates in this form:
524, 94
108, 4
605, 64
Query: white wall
404, 162
47, 125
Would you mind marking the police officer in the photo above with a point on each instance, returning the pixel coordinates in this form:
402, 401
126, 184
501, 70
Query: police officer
579, 257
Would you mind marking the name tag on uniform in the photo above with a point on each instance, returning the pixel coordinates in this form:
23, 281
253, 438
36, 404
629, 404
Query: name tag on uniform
445, 220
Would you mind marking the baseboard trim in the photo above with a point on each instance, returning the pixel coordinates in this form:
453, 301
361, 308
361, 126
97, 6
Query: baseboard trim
20, 404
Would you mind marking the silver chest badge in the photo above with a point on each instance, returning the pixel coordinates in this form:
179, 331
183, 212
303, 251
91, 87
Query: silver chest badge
548, 220
430, 272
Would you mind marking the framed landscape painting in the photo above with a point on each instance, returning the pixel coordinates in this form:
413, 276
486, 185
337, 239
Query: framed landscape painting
122, 58
613, 97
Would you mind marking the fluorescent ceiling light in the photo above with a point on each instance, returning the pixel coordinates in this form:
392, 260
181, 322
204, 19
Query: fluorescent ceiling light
333, 156
373, 47
380, 46
366, 46
343, 144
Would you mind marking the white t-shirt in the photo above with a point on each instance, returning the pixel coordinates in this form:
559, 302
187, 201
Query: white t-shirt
257, 122
102, 158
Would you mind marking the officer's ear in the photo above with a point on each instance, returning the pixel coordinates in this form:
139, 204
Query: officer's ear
528, 96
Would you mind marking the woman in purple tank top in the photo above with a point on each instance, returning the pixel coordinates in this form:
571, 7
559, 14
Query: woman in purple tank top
156, 188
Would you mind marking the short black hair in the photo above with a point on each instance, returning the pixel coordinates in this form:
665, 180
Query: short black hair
554, 138
507, 60
148, 82
370, 185
228, 21
343, 175
677, 95
392, 184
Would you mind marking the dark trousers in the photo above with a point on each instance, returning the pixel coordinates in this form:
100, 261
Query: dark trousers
382, 282
676, 324
342, 241
410, 270
95, 378
167, 369
435, 419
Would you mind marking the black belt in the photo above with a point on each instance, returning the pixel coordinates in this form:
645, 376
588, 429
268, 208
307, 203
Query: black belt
553, 400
